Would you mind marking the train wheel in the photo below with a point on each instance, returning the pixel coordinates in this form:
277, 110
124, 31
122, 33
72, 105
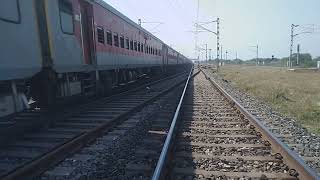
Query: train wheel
130, 76
44, 88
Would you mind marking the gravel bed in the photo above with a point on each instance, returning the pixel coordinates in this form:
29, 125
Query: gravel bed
239, 165
221, 151
223, 140
205, 109
151, 145
310, 142
213, 125
16, 159
221, 132
109, 154
200, 104
204, 177
215, 119
216, 111
211, 116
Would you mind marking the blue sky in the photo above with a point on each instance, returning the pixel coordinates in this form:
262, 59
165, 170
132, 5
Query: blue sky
244, 23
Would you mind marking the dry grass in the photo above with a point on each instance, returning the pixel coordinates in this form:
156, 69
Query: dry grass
296, 94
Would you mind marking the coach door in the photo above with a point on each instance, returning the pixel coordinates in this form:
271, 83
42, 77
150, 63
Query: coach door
164, 57
87, 32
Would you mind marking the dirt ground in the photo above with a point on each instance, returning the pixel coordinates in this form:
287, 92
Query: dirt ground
296, 94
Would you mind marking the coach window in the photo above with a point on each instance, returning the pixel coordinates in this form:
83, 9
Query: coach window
10, 11
100, 33
131, 45
116, 40
127, 43
135, 46
66, 17
156, 52
139, 46
121, 41
109, 38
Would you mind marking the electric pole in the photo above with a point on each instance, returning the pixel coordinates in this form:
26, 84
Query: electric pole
291, 44
207, 53
221, 52
236, 55
298, 51
210, 54
201, 26
294, 35
197, 28
226, 55
218, 43
257, 54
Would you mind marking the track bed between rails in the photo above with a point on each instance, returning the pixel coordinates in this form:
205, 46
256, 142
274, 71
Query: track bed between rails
215, 141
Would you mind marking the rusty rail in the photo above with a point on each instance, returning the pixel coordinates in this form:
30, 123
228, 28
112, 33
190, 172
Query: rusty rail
298, 167
164, 153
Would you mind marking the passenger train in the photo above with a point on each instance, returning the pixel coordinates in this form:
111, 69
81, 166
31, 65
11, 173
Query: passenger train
52, 49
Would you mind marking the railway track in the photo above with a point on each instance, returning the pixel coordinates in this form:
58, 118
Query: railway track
146, 153
306, 144
14, 126
118, 154
217, 138
38, 151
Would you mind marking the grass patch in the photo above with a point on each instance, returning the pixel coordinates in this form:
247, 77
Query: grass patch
292, 93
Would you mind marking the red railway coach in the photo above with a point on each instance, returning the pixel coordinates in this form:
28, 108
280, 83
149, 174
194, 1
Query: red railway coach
54, 49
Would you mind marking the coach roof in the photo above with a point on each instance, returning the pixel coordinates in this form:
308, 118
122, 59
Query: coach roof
125, 18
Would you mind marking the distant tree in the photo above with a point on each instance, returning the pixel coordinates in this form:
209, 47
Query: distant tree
284, 61
316, 59
305, 60
238, 61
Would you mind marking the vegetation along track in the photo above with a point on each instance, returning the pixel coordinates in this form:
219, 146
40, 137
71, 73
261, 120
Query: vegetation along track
217, 138
36, 152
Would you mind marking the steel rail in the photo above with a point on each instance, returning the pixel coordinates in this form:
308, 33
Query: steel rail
164, 152
292, 159
10, 133
37, 166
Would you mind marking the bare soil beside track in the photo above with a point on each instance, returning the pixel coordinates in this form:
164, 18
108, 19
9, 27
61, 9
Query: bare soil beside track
295, 94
